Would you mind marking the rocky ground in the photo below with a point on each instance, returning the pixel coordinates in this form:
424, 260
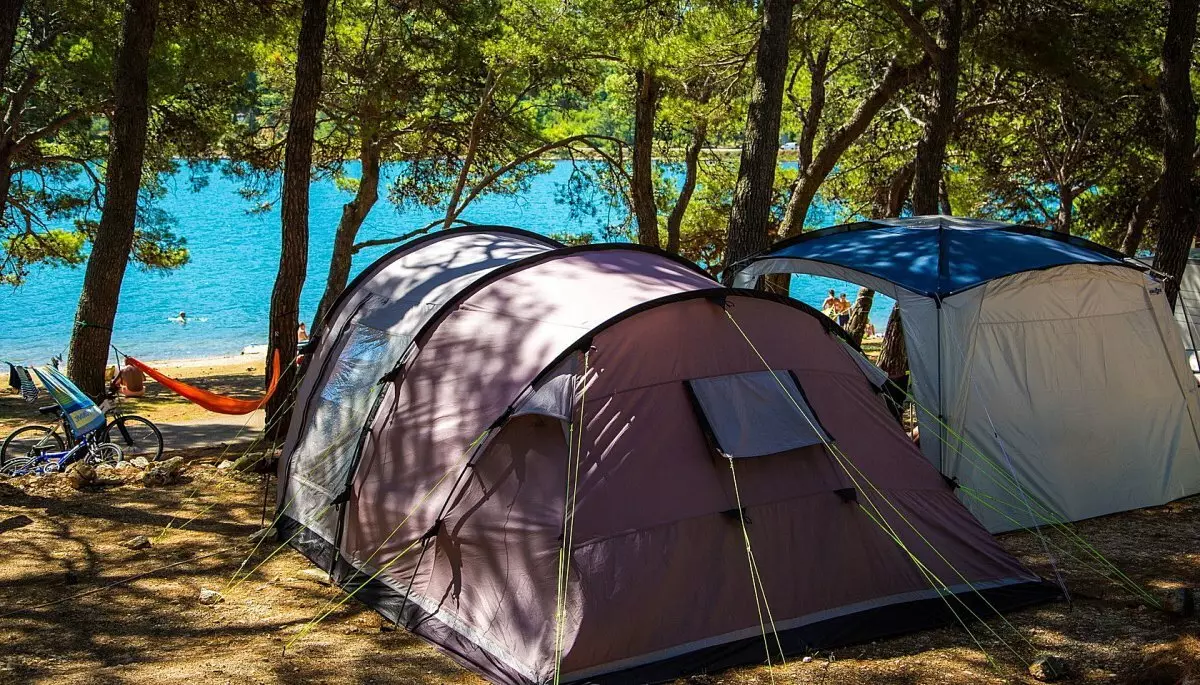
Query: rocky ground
124, 578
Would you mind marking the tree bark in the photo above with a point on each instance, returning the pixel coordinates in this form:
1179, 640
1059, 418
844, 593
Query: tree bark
98, 301
748, 231
644, 110
691, 166
1176, 214
889, 201
895, 79
1135, 228
1064, 218
893, 358
944, 197
354, 213
860, 314
10, 17
293, 255
931, 149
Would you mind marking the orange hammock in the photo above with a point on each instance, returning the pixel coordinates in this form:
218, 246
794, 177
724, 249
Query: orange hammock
208, 400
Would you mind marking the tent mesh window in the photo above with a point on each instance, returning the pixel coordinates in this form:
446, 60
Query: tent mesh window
755, 414
321, 466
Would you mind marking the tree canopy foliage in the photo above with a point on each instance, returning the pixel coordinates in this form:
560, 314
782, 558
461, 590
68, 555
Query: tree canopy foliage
1054, 118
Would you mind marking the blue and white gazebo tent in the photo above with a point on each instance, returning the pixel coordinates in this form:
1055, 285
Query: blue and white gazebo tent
1053, 356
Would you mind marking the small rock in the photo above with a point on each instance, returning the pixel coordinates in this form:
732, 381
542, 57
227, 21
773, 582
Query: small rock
137, 542
139, 462
164, 473
210, 597
1180, 602
1049, 668
315, 575
226, 464
123, 465
257, 535
80, 475
807, 659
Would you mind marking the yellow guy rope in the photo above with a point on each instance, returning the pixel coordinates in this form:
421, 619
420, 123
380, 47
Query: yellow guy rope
575, 441
429, 492
839, 456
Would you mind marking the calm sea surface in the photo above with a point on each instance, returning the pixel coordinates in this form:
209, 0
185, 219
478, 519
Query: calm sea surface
226, 287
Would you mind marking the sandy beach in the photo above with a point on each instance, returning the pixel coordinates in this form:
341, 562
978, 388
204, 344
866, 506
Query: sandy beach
236, 375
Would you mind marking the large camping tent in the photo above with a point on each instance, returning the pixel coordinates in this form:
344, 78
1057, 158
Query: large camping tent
1037, 358
533, 455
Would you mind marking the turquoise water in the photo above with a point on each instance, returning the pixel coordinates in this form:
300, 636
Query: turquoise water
226, 288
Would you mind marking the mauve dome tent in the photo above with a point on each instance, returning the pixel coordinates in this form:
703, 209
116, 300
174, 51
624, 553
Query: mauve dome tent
548, 461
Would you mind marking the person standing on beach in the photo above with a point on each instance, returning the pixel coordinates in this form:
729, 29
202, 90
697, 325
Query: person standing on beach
843, 310
301, 333
829, 306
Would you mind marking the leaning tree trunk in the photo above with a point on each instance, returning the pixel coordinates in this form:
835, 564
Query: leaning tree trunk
748, 232
860, 314
1135, 228
931, 149
92, 333
644, 208
354, 213
1176, 214
1065, 217
293, 255
691, 169
889, 202
893, 358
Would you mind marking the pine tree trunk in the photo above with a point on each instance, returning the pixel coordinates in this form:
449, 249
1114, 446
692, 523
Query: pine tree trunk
889, 202
897, 77
691, 169
98, 301
293, 256
10, 17
354, 213
1176, 214
860, 314
749, 231
644, 209
1135, 228
1065, 217
893, 358
931, 149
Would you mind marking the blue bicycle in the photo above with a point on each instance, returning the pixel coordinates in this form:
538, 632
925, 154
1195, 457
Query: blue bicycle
89, 449
38, 449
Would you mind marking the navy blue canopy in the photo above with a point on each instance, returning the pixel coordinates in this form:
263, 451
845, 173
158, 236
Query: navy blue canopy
938, 256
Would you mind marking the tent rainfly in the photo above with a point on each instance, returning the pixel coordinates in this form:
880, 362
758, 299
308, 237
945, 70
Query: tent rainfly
553, 461
1036, 358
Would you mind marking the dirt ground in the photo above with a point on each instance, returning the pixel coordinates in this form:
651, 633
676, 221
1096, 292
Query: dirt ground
56, 542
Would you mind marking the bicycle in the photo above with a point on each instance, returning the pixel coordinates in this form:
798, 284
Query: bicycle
90, 449
135, 436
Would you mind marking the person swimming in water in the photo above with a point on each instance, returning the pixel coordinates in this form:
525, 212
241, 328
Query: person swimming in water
181, 319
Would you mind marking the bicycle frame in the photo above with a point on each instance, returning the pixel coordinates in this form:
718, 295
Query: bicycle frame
54, 462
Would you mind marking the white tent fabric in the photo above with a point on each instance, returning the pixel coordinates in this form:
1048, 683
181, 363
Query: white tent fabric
1187, 309
1069, 380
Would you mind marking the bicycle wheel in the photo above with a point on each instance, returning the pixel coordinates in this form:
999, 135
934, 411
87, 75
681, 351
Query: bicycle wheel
30, 441
104, 453
17, 466
136, 436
